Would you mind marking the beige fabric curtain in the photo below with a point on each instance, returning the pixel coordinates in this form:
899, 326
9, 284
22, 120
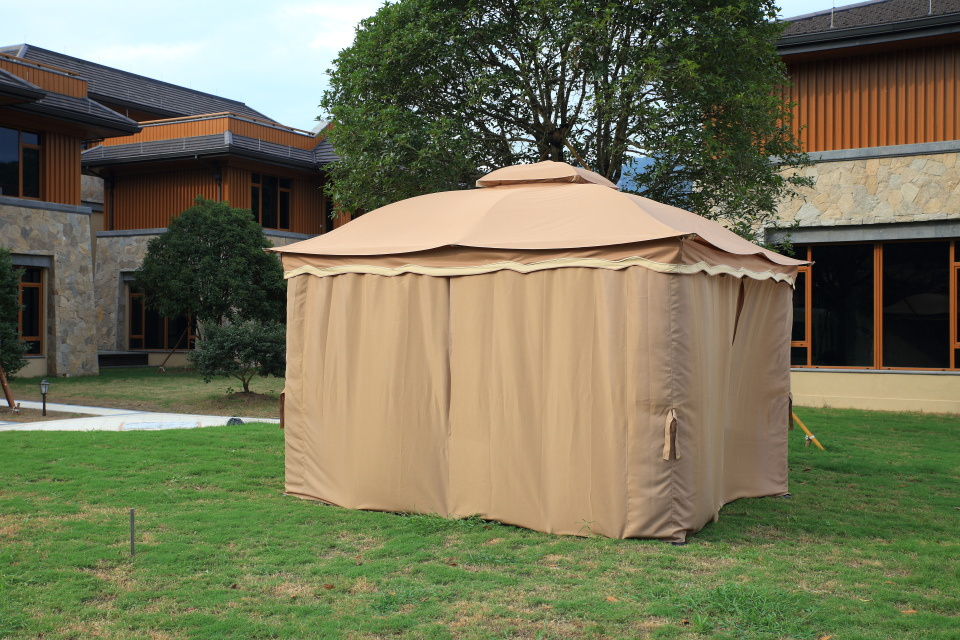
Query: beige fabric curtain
542, 399
367, 391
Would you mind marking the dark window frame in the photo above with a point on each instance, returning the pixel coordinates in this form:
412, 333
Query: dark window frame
952, 345
37, 351
136, 299
21, 146
281, 202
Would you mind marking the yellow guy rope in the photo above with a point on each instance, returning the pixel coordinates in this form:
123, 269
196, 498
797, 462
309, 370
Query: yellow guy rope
810, 437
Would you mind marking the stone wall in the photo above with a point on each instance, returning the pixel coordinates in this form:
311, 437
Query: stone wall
62, 232
91, 189
912, 188
118, 253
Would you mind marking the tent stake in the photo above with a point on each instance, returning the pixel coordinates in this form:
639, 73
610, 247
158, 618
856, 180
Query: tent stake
810, 437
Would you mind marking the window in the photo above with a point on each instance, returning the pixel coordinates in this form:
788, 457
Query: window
955, 305
884, 305
916, 305
842, 306
800, 336
19, 163
30, 318
270, 201
151, 331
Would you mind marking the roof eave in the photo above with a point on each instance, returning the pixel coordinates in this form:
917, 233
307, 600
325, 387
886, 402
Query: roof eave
232, 151
21, 94
98, 127
870, 34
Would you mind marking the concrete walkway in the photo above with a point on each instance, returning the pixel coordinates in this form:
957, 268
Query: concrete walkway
104, 419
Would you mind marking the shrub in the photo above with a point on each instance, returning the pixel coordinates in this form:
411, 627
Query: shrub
241, 350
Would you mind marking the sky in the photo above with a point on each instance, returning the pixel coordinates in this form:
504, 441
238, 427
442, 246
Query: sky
273, 55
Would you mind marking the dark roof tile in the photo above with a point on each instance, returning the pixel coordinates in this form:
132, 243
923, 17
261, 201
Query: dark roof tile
88, 109
13, 81
864, 14
136, 91
214, 144
81, 110
324, 153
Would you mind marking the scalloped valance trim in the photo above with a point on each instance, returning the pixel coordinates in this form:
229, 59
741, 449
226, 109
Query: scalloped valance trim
558, 263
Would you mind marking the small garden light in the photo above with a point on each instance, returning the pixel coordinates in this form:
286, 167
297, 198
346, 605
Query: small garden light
44, 387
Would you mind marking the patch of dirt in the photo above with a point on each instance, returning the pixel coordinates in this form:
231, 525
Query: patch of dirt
10, 525
652, 624
250, 396
34, 415
97, 628
155, 634
828, 587
554, 558
292, 590
857, 563
361, 542
518, 627
362, 585
469, 615
354, 544
706, 565
102, 601
119, 575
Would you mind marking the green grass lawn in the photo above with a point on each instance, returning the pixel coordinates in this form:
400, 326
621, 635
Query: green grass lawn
867, 547
145, 389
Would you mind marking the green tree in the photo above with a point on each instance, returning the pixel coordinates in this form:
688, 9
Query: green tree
211, 265
433, 93
12, 348
241, 350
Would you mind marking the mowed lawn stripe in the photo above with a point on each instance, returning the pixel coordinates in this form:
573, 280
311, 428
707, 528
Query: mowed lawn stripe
865, 548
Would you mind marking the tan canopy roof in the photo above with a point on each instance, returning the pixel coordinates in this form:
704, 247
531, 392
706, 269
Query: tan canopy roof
547, 206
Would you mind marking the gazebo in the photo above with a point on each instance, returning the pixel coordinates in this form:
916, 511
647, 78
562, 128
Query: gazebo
545, 351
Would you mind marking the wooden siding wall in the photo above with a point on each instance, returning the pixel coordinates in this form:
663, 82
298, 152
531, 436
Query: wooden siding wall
308, 214
236, 187
148, 201
46, 80
888, 98
172, 131
61, 168
216, 125
270, 134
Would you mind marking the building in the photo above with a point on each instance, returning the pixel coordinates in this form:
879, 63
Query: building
877, 92
46, 114
167, 145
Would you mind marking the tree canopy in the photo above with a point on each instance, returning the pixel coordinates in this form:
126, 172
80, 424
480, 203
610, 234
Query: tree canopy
433, 93
12, 347
210, 264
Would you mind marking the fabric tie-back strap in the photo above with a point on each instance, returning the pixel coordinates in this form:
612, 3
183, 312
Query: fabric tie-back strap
670, 451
